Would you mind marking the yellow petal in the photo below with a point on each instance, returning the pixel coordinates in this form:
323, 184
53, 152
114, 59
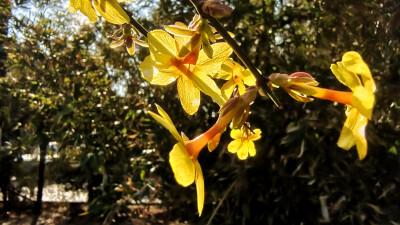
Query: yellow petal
297, 96
345, 76
241, 87
228, 88
140, 42
207, 49
161, 42
111, 11
187, 44
353, 133
188, 94
226, 71
346, 138
214, 142
256, 135
85, 6
207, 66
249, 78
163, 61
236, 133
361, 141
363, 101
117, 43
182, 165
234, 146
207, 85
354, 63
130, 48
369, 84
243, 151
154, 75
199, 187
251, 148
165, 115
179, 30
167, 125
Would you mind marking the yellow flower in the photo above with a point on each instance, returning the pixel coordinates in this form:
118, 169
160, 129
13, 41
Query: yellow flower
164, 66
109, 9
237, 76
183, 157
243, 143
185, 167
353, 72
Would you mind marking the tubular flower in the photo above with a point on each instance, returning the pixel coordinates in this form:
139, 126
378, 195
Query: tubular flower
185, 167
164, 66
233, 110
109, 9
237, 76
183, 156
127, 35
243, 143
353, 72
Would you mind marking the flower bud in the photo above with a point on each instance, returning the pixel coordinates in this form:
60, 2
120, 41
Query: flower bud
216, 9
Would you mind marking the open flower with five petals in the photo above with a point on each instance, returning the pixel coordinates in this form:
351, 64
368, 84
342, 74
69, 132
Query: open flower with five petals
243, 143
164, 66
236, 76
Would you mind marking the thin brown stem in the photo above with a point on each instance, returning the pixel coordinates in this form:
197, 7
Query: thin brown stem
135, 23
139, 26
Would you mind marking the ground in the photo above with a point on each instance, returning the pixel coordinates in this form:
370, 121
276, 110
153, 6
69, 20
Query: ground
68, 214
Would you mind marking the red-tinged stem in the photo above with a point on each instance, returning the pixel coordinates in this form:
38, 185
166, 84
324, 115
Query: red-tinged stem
343, 97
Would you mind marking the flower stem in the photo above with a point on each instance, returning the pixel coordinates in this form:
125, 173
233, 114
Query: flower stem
138, 26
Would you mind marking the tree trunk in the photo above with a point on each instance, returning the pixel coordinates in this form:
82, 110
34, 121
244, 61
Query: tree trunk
37, 209
5, 14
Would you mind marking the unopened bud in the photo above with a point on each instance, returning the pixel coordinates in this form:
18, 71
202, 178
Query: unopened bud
279, 79
216, 9
304, 78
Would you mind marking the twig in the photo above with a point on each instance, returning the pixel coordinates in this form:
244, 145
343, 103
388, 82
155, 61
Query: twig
135, 23
220, 202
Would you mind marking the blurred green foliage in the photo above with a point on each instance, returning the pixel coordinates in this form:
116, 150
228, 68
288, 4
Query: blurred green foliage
91, 101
